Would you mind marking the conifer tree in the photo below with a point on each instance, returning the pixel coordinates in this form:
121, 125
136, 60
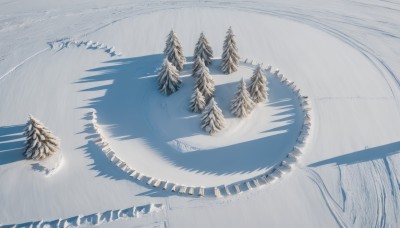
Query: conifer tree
196, 65
204, 81
173, 51
258, 86
212, 120
230, 56
197, 103
40, 142
203, 50
168, 78
242, 105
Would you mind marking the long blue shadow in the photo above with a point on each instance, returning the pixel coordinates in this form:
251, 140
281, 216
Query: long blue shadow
368, 154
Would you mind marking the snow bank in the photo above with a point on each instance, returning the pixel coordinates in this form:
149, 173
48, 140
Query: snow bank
95, 218
282, 168
88, 44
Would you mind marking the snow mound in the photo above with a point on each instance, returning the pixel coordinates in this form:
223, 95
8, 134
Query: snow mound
277, 171
96, 218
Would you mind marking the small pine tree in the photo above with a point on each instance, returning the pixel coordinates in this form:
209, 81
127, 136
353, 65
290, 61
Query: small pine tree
168, 78
197, 103
212, 120
40, 142
230, 56
242, 104
203, 50
173, 51
204, 81
258, 86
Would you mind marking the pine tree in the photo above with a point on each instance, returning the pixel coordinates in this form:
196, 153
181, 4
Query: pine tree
257, 88
230, 56
203, 50
196, 65
168, 78
204, 81
212, 120
197, 103
173, 51
242, 105
40, 142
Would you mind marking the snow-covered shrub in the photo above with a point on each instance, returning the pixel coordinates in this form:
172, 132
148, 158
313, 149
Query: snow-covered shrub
230, 56
258, 86
242, 105
203, 50
168, 78
204, 82
40, 142
197, 102
212, 120
173, 51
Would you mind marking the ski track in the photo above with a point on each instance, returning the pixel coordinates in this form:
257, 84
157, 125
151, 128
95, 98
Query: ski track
333, 206
95, 219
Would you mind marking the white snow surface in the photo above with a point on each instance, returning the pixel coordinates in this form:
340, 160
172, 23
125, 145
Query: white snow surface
342, 54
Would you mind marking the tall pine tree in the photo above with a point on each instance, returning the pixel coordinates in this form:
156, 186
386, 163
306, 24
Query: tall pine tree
203, 50
173, 51
258, 85
197, 102
242, 105
204, 82
168, 78
40, 142
230, 56
212, 120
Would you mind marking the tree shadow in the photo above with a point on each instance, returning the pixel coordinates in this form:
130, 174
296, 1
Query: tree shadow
368, 154
127, 113
12, 143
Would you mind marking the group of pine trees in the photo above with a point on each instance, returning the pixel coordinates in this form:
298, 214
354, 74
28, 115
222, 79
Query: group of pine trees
202, 99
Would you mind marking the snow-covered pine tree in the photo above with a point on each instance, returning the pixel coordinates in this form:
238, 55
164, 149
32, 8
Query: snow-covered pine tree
168, 78
230, 56
203, 50
40, 142
242, 105
197, 103
204, 81
212, 120
258, 85
196, 65
173, 51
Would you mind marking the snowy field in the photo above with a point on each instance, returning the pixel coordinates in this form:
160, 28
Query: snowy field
62, 60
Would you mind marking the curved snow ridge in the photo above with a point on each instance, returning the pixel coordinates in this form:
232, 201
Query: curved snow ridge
283, 167
96, 218
88, 44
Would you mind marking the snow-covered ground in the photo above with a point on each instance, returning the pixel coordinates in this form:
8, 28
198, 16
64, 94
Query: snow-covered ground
343, 55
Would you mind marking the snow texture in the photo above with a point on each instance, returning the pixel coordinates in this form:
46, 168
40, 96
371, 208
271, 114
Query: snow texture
242, 104
40, 142
230, 56
258, 86
173, 51
168, 79
204, 81
212, 120
197, 102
